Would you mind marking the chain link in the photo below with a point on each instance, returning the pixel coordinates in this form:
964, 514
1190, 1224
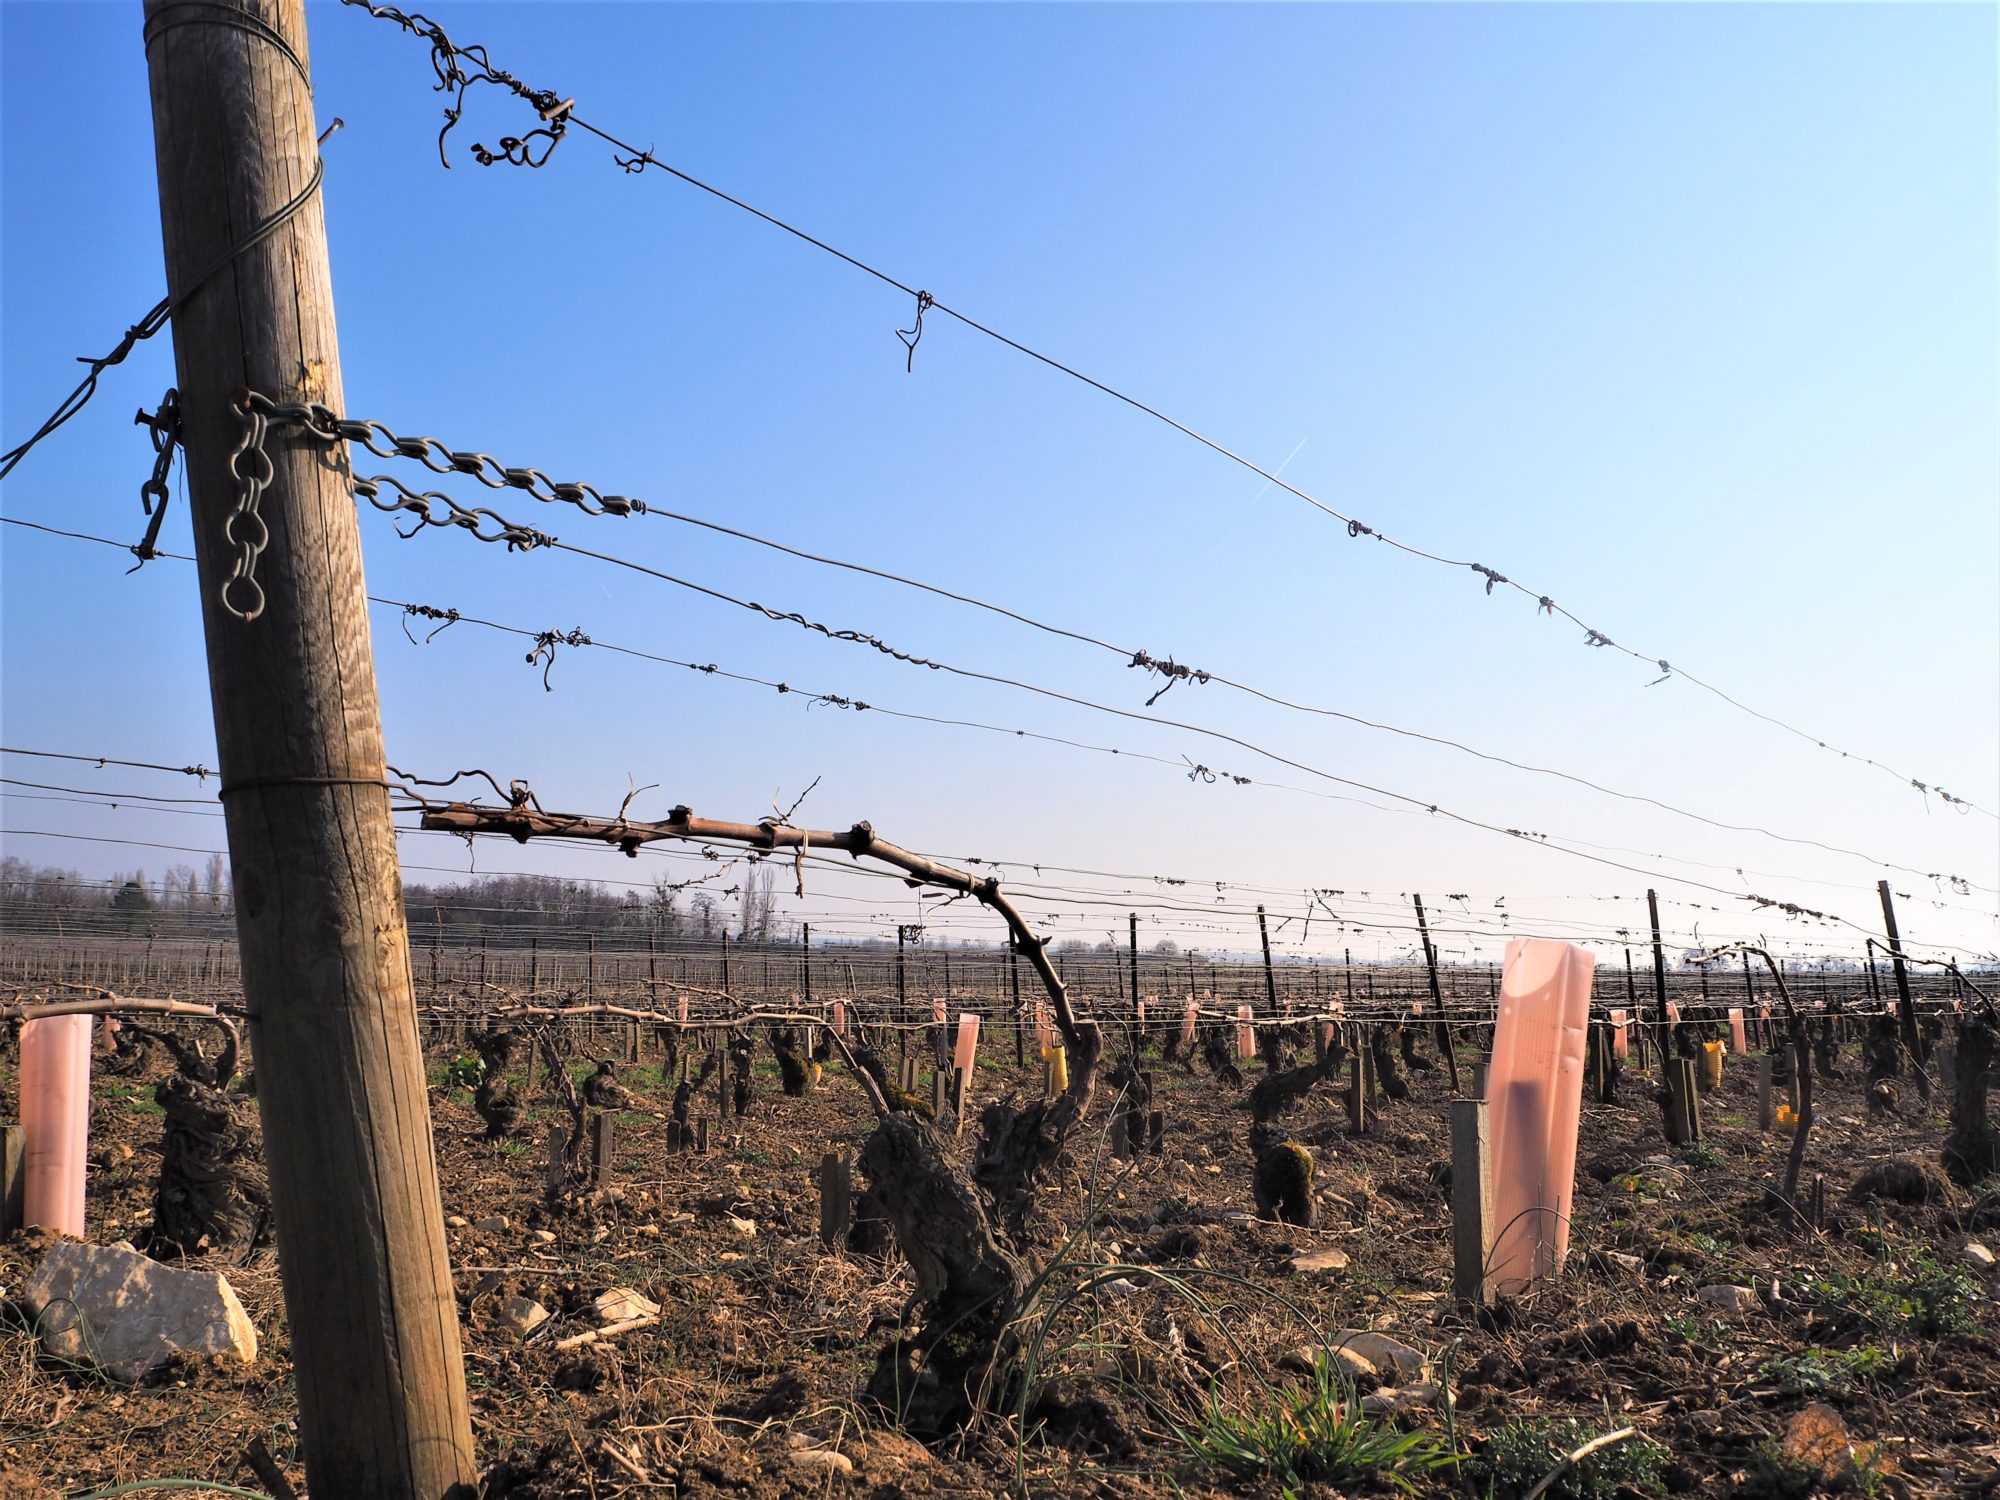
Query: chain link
164, 428
250, 467
324, 423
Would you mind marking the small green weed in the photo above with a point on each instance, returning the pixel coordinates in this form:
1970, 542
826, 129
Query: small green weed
1312, 1435
133, 1098
1702, 1333
1917, 1294
1520, 1453
461, 1072
1827, 1372
1699, 1154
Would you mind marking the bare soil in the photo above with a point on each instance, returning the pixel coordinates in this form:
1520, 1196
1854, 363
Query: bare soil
766, 1340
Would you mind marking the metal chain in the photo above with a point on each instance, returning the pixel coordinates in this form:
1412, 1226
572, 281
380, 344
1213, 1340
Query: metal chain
164, 427
324, 423
245, 530
419, 503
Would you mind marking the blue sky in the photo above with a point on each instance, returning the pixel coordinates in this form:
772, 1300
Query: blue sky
1683, 315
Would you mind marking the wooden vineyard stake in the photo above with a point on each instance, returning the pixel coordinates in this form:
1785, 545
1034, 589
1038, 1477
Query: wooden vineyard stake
1357, 1092
603, 1141
1766, 1109
724, 1065
836, 1198
1121, 1134
1443, 1033
1020, 1017
1913, 1040
676, 1139
1479, 1067
1683, 1103
632, 1041
555, 1168
1597, 1070
13, 1177
701, 1136
1471, 1201
1156, 1132
940, 1092
323, 942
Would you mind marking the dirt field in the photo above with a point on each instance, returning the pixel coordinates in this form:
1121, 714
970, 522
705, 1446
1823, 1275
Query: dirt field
754, 1374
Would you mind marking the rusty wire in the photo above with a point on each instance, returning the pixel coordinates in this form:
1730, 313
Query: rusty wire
445, 56
157, 317
1194, 771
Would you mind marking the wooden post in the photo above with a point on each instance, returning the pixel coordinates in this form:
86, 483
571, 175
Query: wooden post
1664, 1035
724, 1065
1020, 1016
1632, 1009
1443, 1033
1471, 1201
902, 998
13, 1177
836, 1198
1132, 950
1270, 978
323, 939
1913, 1041
555, 1169
603, 1141
1357, 1093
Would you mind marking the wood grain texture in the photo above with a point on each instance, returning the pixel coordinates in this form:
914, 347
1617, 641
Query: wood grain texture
326, 968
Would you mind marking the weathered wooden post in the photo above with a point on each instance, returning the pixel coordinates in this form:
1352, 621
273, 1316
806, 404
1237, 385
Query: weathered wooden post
1443, 1033
323, 938
1766, 1112
1020, 1015
1357, 1094
836, 1198
13, 1178
555, 1168
1913, 1041
1472, 1229
603, 1142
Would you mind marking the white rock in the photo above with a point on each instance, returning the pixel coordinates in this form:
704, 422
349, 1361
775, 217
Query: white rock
621, 1304
541, 1237
454, 1221
522, 1316
1332, 1258
1726, 1298
1631, 1265
821, 1461
1392, 1399
491, 1222
1346, 1361
1390, 1356
1979, 1255
744, 1227
128, 1315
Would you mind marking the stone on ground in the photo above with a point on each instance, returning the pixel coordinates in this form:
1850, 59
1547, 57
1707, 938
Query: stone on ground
109, 1306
